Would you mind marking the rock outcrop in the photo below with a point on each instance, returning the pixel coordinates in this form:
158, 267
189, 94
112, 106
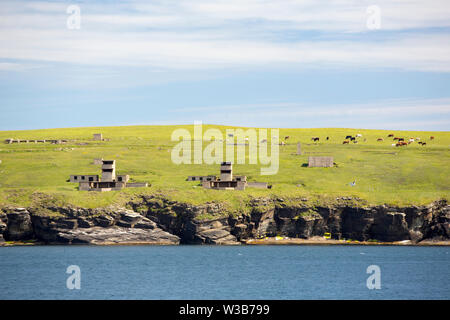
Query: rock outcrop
155, 220
78, 226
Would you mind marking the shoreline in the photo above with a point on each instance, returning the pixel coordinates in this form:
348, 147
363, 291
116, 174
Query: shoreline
269, 241
326, 242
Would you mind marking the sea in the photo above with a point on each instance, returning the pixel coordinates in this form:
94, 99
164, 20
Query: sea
225, 272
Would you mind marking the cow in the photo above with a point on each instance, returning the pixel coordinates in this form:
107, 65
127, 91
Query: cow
287, 137
423, 143
346, 142
431, 138
380, 139
391, 135
359, 135
411, 140
315, 139
396, 138
348, 137
401, 139
352, 138
328, 138
354, 141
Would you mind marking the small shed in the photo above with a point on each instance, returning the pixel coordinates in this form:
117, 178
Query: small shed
320, 162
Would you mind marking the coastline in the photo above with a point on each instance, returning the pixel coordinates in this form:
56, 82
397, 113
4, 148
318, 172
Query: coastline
268, 241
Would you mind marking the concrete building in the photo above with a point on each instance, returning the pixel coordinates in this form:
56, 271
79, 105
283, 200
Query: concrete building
98, 161
98, 137
320, 162
227, 181
109, 180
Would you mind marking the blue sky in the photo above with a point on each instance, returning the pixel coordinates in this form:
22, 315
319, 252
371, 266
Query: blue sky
257, 63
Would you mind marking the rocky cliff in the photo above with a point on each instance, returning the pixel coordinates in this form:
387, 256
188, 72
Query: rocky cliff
155, 220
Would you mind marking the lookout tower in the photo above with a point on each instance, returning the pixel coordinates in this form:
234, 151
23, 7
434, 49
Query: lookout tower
108, 170
226, 171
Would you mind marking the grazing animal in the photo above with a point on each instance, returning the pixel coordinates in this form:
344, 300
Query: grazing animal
390, 135
353, 138
346, 142
411, 140
401, 139
423, 143
396, 138
315, 139
328, 138
359, 135
380, 139
401, 143
348, 137
354, 141
417, 139
431, 138
287, 137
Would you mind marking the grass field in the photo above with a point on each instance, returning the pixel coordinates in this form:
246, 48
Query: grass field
413, 174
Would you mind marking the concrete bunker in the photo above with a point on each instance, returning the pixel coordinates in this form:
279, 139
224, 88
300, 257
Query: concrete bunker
108, 181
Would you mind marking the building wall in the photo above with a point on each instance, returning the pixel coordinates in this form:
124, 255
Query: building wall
136, 184
98, 137
202, 178
260, 185
320, 161
98, 161
84, 186
79, 178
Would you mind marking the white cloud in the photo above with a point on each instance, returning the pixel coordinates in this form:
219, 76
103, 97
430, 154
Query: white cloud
384, 114
204, 34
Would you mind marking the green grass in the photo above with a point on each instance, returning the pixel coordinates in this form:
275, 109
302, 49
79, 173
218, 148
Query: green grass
31, 173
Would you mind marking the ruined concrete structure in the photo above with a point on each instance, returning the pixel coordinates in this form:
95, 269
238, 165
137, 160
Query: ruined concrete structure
98, 161
108, 181
98, 137
53, 141
320, 162
227, 181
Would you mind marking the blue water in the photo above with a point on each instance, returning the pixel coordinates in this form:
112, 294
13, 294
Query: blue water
221, 272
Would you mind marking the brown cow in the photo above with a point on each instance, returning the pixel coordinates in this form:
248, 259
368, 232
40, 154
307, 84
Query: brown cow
346, 142
287, 137
431, 138
396, 138
390, 135
380, 139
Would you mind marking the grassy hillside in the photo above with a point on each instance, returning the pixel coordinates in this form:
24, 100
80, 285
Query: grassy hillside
383, 173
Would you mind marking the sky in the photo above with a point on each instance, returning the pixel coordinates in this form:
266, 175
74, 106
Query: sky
279, 64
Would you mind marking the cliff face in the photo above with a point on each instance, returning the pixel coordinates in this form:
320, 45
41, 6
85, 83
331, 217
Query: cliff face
160, 221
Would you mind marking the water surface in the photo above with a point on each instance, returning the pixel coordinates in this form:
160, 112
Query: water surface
222, 272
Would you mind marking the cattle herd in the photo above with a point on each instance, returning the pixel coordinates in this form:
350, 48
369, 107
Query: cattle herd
398, 141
